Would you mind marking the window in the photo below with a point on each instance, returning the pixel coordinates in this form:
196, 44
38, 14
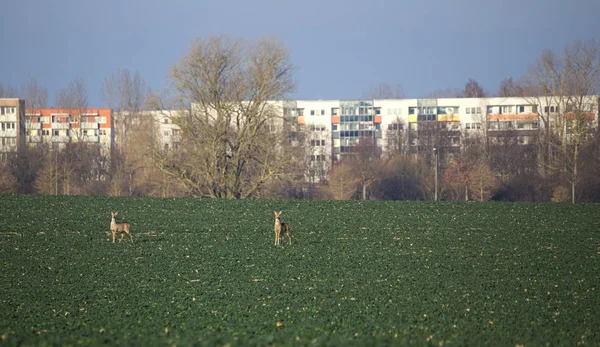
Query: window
468, 110
411, 110
322, 112
166, 132
166, 121
55, 132
468, 126
378, 110
175, 132
102, 132
505, 109
478, 110
45, 132
166, 146
521, 108
334, 111
312, 112
334, 127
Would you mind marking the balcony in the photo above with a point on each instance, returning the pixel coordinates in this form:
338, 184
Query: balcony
8, 118
8, 133
61, 125
88, 125
93, 138
34, 139
60, 139
33, 126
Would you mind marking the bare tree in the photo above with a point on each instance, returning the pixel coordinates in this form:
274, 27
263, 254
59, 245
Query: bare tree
36, 96
316, 157
447, 93
222, 88
396, 138
134, 128
484, 181
25, 165
403, 177
566, 87
509, 88
365, 162
384, 91
8, 182
47, 178
473, 90
8, 91
127, 96
73, 100
460, 172
342, 182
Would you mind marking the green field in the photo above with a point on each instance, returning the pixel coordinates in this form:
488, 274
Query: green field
359, 273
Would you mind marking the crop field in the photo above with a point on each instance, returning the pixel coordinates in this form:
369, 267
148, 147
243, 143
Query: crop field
206, 272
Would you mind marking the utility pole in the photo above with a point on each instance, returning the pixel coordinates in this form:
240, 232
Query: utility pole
435, 154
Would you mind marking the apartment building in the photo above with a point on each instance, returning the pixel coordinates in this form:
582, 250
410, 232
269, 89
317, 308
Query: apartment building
12, 127
167, 133
342, 124
58, 127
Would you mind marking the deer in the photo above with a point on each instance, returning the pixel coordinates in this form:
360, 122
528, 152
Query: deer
279, 226
119, 227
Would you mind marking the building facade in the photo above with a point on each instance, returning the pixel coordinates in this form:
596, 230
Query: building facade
12, 127
58, 127
343, 124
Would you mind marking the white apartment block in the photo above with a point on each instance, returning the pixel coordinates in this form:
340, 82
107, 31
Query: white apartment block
331, 128
342, 124
12, 127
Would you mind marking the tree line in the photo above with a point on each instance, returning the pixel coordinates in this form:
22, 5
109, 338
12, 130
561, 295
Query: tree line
235, 143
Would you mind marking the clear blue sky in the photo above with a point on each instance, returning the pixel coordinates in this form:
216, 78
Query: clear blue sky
341, 47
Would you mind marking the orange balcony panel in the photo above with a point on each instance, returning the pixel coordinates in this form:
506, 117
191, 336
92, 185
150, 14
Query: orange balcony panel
377, 119
301, 120
585, 115
512, 116
335, 119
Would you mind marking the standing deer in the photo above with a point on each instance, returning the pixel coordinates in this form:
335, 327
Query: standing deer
279, 226
121, 227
